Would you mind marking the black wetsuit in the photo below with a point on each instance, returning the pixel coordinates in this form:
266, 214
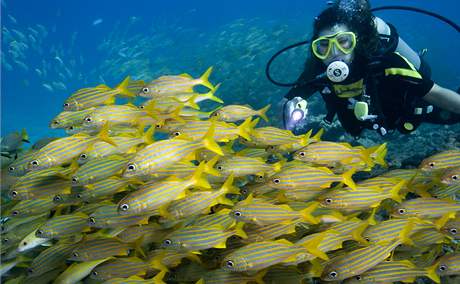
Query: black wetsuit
395, 89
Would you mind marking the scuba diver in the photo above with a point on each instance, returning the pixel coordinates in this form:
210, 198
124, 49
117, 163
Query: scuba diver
367, 75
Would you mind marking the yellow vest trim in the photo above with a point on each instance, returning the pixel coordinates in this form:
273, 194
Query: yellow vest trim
412, 72
350, 90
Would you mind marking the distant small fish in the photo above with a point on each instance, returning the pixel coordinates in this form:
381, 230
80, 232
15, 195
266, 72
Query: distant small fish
97, 22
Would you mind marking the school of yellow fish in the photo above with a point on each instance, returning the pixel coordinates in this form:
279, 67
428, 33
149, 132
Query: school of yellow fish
147, 188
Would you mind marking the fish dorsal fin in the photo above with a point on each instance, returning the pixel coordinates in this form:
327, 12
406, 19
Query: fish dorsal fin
185, 75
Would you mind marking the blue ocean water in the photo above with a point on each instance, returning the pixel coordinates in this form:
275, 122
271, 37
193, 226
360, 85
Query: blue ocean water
52, 48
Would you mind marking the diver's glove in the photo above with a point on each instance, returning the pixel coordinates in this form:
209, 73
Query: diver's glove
295, 115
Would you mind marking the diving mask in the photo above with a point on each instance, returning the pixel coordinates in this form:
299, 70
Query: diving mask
343, 41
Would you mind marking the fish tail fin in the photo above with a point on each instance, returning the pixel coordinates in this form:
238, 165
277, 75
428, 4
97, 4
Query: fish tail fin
305, 138
431, 273
227, 188
313, 244
317, 136
158, 279
394, 192
239, 230
259, 278
254, 123
348, 180
205, 79
201, 281
244, 130
357, 233
209, 142
378, 155
191, 102
197, 178
148, 135
210, 95
306, 213
24, 136
262, 112
209, 166
104, 134
406, 232
122, 88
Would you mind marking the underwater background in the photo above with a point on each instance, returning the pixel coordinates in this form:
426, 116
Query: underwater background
50, 49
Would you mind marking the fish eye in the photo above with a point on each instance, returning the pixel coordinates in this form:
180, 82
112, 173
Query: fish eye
88, 119
39, 233
328, 200
55, 122
431, 164
14, 194
78, 195
442, 267
92, 221
145, 90
30, 270
11, 169
66, 104
333, 274
34, 163
141, 106
74, 179
94, 273
453, 231
276, 180
177, 133
455, 177
70, 128
124, 207
131, 167
57, 198
219, 168
302, 154
229, 263
244, 191
157, 125
75, 254
367, 239
358, 277
401, 211
83, 156
237, 213
5, 240
167, 242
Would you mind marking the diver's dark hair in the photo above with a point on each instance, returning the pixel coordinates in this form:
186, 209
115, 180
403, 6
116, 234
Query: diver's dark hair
357, 16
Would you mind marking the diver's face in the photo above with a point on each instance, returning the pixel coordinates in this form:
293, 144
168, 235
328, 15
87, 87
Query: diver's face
335, 53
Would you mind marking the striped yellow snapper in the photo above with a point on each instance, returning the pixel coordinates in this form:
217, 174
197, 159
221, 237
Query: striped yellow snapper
120, 267
39, 187
234, 113
426, 208
70, 118
156, 194
263, 137
151, 233
331, 153
262, 213
175, 84
304, 176
102, 94
257, 256
242, 166
63, 226
107, 216
221, 218
127, 115
393, 229
258, 234
442, 160
193, 238
356, 262
394, 271
199, 202
224, 132
186, 169
32, 207
165, 153
360, 199
93, 249
19, 166
448, 264
98, 169
50, 258
11, 223
123, 145
63, 150
101, 189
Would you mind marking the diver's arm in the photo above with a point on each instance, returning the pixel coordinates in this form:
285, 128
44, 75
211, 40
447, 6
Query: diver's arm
443, 98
